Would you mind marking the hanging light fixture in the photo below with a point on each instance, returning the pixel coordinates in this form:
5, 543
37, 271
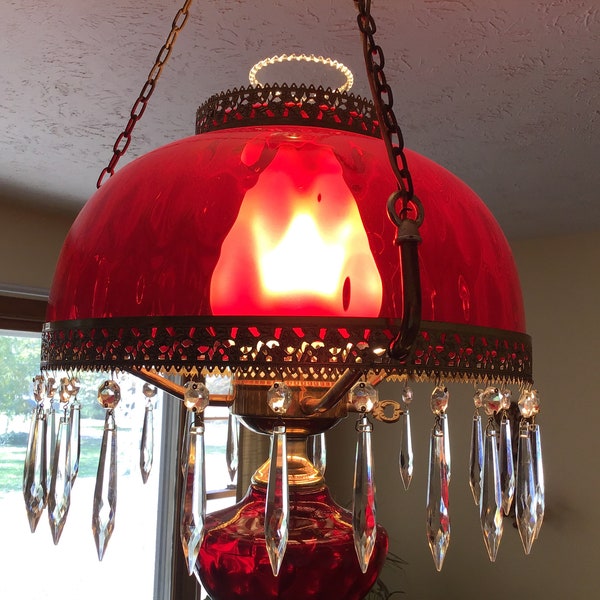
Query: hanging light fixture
265, 247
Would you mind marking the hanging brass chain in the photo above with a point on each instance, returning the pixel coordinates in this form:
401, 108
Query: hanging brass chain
139, 106
383, 100
403, 207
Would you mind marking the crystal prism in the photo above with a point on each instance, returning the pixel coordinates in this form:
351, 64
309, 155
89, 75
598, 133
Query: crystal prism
364, 513
277, 508
538, 475
74, 439
34, 472
105, 492
189, 421
147, 442
476, 457
446, 430
438, 517
50, 442
59, 496
406, 451
507, 465
526, 505
232, 446
490, 504
193, 499
318, 452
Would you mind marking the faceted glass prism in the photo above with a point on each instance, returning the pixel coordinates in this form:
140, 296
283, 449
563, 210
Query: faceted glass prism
105, 492
476, 458
490, 504
507, 466
438, 499
34, 471
193, 498
59, 496
147, 442
364, 513
526, 502
318, 452
406, 459
277, 508
232, 445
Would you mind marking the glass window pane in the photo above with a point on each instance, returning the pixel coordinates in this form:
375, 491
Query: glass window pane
33, 568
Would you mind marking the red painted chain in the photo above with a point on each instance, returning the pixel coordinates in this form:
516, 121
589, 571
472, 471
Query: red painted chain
139, 106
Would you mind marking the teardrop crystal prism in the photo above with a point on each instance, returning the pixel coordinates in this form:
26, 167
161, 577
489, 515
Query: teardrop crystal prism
51, 434
193, 499
147, 442
476, 457
74, 438
507, 465
232, 446
446, 429
318, 452
406, 451
490, 504
438, 516
59, 496
538, 475
105, 492
277, 507
525, 496
35, 491
364, 512
189, 421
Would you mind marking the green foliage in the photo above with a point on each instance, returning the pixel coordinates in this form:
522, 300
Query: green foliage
19, 363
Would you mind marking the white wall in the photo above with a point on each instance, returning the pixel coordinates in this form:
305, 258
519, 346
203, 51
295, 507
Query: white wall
561, 288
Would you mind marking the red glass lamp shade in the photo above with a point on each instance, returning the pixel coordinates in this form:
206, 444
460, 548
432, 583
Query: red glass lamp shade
320, 561
268, 245
262, 245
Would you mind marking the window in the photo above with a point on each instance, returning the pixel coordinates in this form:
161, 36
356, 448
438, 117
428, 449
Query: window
33, 569
36, 570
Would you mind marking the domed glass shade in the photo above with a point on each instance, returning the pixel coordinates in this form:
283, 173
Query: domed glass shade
266, 245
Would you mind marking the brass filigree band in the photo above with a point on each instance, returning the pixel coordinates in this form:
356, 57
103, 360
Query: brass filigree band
297, 349
288, 105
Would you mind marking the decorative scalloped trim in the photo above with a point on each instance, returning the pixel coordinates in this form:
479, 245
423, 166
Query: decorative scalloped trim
298, 349
288, 105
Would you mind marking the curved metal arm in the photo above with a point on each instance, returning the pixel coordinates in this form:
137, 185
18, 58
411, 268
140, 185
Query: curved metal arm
411, 300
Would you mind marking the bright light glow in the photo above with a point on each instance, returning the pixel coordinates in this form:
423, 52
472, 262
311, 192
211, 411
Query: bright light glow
318, 267
298, 245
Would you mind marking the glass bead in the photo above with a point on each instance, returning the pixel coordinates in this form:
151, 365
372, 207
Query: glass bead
66, 390
38, 388
149, 390
50, 387
529, 404
75, 386
477, 398
506, 399
363, 397
196, 396
407, 395
491, 400
439, 399
109, 394
279, 398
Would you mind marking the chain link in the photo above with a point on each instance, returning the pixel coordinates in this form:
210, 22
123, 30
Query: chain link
139, 106
383, 100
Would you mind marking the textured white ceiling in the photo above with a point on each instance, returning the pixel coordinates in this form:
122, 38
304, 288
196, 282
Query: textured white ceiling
505, 93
